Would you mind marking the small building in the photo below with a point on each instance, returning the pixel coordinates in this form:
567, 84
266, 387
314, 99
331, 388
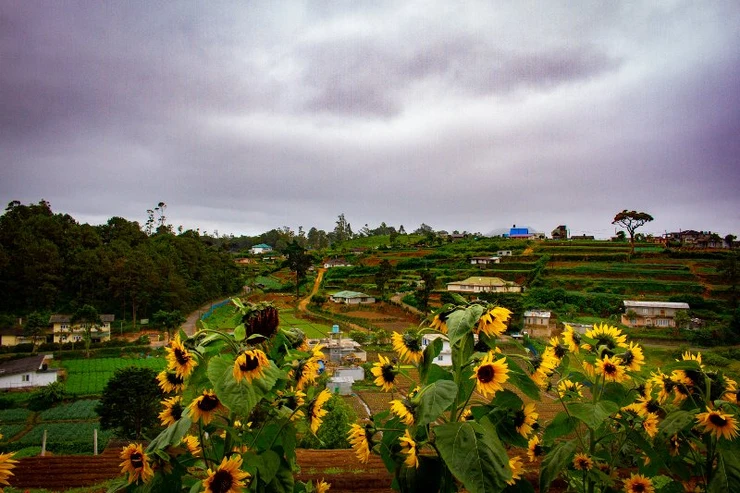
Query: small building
519, 233
336, 262
352, 298
445, 356
484, 285
260, 249
64, 331
354, 372
484, 260
340, 385
12, 336
539, 323
652, 313
342, 349
560, 233
504, 253
33, 371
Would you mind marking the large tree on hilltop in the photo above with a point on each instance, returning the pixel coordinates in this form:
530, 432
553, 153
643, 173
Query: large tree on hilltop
298, 261
631, 220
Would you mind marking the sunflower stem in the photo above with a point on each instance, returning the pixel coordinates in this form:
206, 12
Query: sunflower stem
223, 336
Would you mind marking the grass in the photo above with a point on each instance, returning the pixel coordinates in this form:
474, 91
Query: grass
313, 330
89, 376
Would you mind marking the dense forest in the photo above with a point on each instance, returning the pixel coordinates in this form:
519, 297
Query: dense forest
50, 262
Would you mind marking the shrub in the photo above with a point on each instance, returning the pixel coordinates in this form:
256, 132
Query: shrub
333, 431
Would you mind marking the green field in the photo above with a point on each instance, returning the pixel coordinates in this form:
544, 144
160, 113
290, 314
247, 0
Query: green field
313, 330
89, 376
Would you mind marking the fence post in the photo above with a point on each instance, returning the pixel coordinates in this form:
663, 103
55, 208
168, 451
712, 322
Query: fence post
43, 444
95, 441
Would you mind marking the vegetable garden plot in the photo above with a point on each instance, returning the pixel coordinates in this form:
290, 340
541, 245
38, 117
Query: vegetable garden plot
84, 409
89, 376
9, 431
65, 437
13, 416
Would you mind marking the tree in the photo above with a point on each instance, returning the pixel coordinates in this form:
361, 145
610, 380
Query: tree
130, 402
682, 320
425, 289
168, 320
298, 261
87, 319
36, 326
730, 240
631, 220
384, 274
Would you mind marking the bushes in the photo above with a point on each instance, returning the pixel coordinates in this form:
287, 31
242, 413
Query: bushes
333, 431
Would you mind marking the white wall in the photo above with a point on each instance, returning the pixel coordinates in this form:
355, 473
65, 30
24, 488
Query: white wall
35, 379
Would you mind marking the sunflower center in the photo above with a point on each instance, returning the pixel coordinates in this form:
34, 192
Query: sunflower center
519, 418
610, 369
628, 357
137, 461
652, 406
173, 379
250, 363
181, 356
559, 351
411, 343
717, 420
222, 482
486, 373
387, 372
607, 341
638, 488
537, 450
208, 403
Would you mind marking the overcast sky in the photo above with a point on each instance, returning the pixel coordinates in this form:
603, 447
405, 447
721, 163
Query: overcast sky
247, 116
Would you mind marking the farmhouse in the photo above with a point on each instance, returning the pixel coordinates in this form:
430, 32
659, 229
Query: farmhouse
484, 285
484, 260
64, 331
33, 371
12, 336
651, 313
539, 323
560, 233
352, 298
260, 249
504, 253
445, 356
336, 262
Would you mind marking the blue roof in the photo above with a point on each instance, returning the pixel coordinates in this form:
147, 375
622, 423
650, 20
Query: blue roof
262, 245
518, 231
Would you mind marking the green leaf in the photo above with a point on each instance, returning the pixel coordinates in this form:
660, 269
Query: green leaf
727, 475
675, 422
461, 322
681, 365
554, 462
593, 415
240, 332
616, 393
283, 481
172, 435
560, 426
519, 379
474, 459
269, 465
239, 397
430, 352
434, 399
436, 373
507, 399
426, 478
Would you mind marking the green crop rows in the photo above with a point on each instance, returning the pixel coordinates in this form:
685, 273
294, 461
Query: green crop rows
84, 409
89, 376
18, 415
65, 437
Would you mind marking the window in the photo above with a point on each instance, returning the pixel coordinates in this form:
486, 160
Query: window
26, 378
663, 322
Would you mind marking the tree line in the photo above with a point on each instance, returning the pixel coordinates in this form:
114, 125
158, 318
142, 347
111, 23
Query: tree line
49, 262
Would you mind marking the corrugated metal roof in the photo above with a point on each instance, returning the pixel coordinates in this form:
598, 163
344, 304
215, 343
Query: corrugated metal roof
350, 294
23, 365
655, 304
482, 281
537, 313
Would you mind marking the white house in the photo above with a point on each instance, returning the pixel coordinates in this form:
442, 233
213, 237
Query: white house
33, 371
651, 313
484, 285
504, 253
484, 260
352, 298
260, 249
336, 262
445, 356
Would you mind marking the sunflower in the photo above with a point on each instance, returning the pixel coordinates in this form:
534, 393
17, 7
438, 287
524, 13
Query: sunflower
408, 347
608, 336
582, 462
227, 478
205, 407
534, 449
136, 463
718, 424
646, 404
524, 418
304, 372
316, 411
172, 411
250, 365
7, 463
492, 323
572, 339
359, 437
633, 358
517, 468
408, 447
650, 424
384, 373
404, 411
611, 369
490, 375
687, 356
193, 444
664, 384
170, 381
293, 400
439, 322
571, 389
559, 349
322, 487
730, 390
180, 359
637, 483
467, 415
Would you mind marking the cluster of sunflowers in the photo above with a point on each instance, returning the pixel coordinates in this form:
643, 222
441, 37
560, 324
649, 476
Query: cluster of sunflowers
234, 407
463, 425
676, 424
